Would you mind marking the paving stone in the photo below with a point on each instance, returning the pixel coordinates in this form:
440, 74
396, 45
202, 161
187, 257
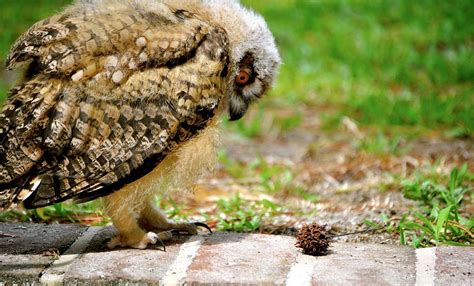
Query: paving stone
222, 258
99, 265
229, 258
29, 238
454, 265
26, 249
366, 264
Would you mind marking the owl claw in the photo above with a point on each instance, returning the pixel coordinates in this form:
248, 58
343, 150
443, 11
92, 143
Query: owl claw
160, 241
194, 226
201, 224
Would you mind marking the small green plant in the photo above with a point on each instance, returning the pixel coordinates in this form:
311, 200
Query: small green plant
439, 219
237, 214
66, 212
173, 209
273, 179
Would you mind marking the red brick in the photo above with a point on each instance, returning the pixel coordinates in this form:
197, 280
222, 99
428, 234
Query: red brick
101, 265
366, 264
454, 265
226, 258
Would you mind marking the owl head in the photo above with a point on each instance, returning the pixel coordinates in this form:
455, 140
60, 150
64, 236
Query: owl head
254, 55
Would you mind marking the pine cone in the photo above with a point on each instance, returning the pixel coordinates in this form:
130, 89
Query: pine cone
313, 239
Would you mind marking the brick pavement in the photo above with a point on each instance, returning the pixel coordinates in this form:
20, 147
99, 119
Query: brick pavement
76, 255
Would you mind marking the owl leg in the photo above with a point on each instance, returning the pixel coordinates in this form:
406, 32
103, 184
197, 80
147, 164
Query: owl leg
129, 232
152, 218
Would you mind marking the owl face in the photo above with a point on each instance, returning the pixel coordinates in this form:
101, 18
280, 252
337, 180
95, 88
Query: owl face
249, 84
254, 75
254, 55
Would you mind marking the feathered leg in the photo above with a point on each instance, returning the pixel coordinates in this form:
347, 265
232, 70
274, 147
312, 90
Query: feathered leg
129, 232
152, 218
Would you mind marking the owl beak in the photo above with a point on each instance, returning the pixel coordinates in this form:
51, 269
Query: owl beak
236, 111
235, 115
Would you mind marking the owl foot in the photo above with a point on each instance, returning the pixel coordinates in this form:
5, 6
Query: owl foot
182, 228
124, 241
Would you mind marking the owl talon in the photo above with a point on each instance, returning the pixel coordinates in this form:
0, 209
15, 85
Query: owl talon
201, 224
162, 243
192, 229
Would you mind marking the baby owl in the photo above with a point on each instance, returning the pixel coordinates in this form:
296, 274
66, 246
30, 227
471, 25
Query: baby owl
120, 99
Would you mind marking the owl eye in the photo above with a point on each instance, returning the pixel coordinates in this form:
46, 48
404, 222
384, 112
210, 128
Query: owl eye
242, 78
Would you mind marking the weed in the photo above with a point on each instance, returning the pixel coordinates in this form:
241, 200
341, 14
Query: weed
251, 126
273, 179
439, 218
67, 212
232, 167
237, 214
173, 209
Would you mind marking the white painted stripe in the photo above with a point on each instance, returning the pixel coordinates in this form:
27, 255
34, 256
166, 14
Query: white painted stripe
301, 272
54, 274
425, 266
178, 270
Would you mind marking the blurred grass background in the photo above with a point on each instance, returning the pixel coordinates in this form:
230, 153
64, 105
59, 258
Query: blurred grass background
383, 63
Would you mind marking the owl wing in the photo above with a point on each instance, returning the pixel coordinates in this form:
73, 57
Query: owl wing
87, 39
106, 98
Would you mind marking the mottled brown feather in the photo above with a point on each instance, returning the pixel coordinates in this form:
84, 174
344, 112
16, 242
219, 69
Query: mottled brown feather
114, 94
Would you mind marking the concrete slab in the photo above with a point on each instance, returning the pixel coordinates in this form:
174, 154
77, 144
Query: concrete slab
26, 249
366, 264
100, 266
454, 265
30, 238
230, 258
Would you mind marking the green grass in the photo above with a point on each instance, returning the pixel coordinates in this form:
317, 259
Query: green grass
258, 122
384, 63
439, 219
67, 212
442, 216
237, 214
270, 178
17, 16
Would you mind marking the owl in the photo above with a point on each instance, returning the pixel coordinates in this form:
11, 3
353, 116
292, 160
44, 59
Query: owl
121, 100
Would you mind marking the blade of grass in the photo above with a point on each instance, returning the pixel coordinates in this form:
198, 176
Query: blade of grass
441, 224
